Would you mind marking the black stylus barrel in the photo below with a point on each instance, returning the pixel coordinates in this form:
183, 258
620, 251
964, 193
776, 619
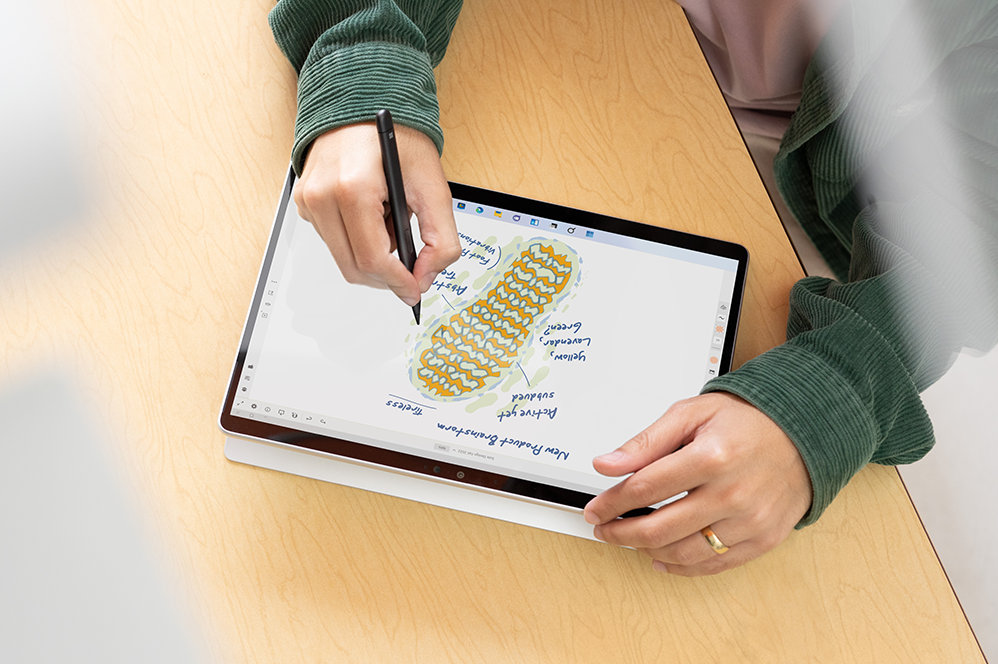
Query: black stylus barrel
396, 193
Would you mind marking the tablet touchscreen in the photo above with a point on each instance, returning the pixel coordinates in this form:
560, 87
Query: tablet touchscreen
555, 337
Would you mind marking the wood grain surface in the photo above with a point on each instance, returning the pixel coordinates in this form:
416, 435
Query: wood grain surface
605, 106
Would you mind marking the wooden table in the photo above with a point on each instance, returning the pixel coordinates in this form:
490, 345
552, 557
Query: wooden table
608, 107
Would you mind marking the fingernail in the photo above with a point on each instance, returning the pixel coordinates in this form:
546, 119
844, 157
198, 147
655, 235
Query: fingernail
411, 301
590, 517
616, 455
659, 566
598, 533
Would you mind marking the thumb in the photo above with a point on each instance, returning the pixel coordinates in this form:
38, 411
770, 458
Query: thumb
437, 230
665, 435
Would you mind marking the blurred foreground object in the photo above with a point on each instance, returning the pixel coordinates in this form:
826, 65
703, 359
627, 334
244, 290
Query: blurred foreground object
43, 184
80, 581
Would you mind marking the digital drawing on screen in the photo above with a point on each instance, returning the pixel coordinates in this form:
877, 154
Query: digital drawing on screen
468, 352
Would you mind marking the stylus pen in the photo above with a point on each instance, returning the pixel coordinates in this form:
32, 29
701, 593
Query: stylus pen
396, 194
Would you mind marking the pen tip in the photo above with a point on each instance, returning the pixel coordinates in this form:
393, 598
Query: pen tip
415, 312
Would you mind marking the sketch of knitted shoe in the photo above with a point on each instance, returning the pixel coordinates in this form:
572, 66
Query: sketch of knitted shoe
470, 351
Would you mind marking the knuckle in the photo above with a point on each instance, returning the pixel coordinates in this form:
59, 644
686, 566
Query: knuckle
759, 518
684, 556
607, 533
648, 536
642, 540
451, 251
311, 193
641, 490
641, 442
352, 277
680, 407
741, 501
348, 189
367, 263
350, 178
606, 518
716, 456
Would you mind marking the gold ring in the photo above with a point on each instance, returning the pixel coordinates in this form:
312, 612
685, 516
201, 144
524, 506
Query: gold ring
714, 542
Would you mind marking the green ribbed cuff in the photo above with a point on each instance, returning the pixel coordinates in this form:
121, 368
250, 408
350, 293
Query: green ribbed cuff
350, 84
816, 407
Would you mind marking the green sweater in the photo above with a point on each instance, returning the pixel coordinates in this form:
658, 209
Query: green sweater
845, 386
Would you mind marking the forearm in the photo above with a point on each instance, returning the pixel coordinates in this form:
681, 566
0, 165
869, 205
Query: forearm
845, 386
904, 178
354, 58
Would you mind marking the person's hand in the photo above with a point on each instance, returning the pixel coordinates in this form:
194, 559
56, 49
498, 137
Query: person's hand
745, 478
343, 193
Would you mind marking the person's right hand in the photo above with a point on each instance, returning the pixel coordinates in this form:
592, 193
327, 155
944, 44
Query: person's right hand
343, 193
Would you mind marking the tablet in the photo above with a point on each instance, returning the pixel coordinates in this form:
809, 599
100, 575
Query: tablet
556, 336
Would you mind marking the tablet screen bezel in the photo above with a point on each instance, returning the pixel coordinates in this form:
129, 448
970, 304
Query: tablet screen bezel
400, 461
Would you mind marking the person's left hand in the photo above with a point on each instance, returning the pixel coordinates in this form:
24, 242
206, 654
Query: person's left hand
745, 478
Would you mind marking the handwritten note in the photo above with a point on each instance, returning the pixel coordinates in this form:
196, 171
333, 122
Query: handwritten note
492, 440
560, 334
406, 406
535, 413
474, 249
517, 411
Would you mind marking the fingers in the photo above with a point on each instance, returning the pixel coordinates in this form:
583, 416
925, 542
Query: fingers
744, 477
429, 198
665, 435
694, 549
662, 527
712, 563
656, 482
660, 468
371, 246
682, 529
672, 536
694, 556
316, 207
691, 554
342, 192
441, 245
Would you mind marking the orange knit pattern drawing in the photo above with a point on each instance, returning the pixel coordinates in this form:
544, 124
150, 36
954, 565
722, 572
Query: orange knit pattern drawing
474, 348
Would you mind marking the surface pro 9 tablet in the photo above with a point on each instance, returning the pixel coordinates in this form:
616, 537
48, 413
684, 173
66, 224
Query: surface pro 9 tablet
556, 336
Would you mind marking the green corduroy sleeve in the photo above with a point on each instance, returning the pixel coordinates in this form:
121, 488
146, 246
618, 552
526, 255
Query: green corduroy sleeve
917, 196
845, 385
356, 57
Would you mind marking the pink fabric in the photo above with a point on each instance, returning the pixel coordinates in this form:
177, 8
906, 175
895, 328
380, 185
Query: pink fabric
759, 50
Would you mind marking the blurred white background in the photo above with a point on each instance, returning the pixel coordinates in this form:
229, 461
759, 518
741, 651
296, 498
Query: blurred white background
955, 490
